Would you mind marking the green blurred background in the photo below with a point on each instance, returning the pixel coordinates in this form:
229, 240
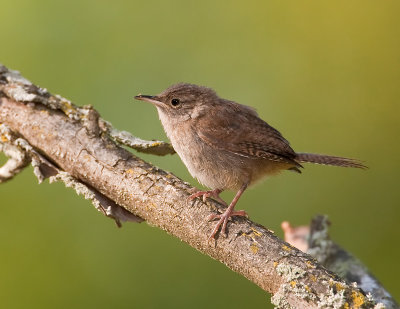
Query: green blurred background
325, 73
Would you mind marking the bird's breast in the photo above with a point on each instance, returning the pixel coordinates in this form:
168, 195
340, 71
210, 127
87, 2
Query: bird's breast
214, 167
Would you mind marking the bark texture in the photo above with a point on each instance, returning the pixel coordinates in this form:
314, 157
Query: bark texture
76, 143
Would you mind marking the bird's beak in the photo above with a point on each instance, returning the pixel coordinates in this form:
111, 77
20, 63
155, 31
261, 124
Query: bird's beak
149, 98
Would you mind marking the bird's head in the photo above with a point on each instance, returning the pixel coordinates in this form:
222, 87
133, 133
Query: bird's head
182, 101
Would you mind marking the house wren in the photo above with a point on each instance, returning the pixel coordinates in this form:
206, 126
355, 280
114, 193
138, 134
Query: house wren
225, 145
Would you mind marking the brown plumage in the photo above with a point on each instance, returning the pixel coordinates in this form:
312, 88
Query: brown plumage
328, 160
225, 145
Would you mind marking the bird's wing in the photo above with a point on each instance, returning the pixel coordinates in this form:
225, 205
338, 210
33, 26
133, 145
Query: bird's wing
242, 132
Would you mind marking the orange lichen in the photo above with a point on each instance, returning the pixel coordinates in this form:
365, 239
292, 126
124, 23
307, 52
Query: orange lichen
358, 299
254, 248
286, 248
339, 286
4, 138
255, 232
310, 264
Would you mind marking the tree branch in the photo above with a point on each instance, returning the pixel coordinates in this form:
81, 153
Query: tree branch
315, 240
77, 146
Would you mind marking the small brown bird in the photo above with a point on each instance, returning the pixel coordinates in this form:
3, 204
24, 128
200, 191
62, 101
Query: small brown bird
225, 145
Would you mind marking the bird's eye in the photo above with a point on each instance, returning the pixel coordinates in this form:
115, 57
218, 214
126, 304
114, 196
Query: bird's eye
175, 102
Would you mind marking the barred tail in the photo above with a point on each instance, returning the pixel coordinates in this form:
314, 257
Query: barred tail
328, 160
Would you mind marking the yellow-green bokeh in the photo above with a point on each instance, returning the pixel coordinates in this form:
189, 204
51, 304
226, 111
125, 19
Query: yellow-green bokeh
325, 73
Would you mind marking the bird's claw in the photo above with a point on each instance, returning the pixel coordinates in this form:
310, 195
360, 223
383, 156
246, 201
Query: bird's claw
223, 220
206, 194
224, 217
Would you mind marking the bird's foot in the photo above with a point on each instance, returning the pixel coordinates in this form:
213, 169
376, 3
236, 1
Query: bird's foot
206, 194
223, 220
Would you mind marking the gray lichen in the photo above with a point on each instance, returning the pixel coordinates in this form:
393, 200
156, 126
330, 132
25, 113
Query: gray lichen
79, 187
279, 299
22, 90
106, 206
320, 245
334, 300
13, 76
123, 137
289, 272
17, 157
290, 285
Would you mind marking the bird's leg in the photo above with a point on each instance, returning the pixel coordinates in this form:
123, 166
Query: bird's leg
206, 194
229, 212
